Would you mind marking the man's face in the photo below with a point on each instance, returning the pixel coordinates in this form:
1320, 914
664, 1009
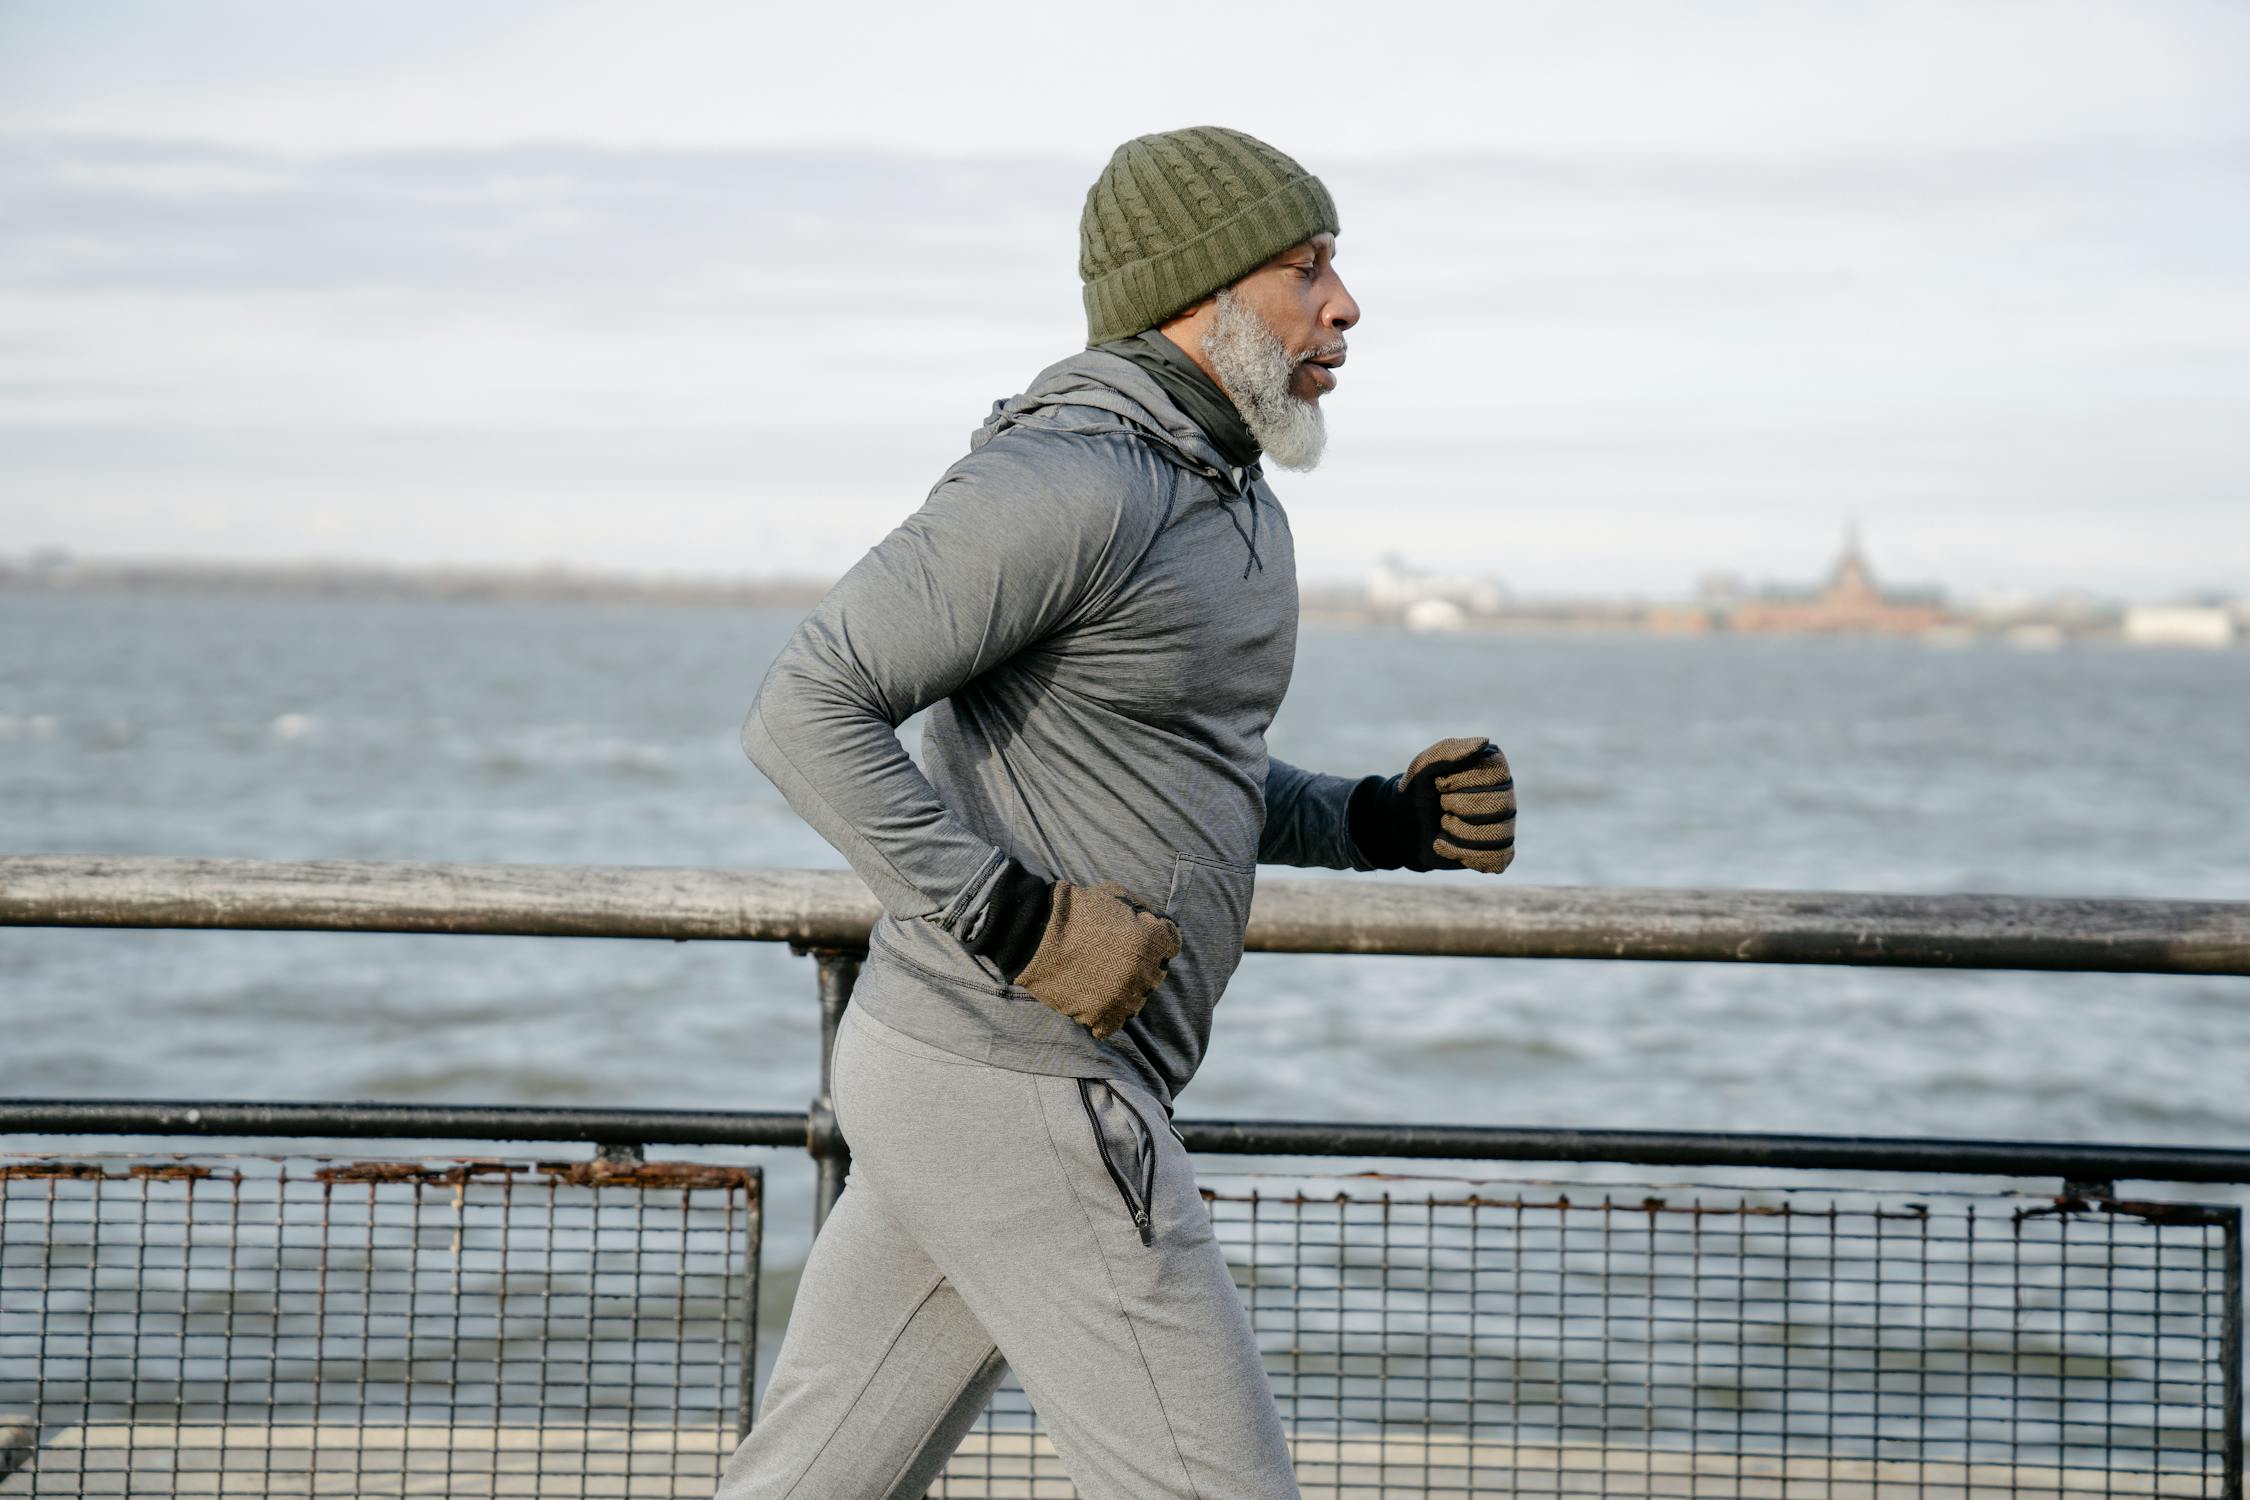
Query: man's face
1302, 300
1273, 341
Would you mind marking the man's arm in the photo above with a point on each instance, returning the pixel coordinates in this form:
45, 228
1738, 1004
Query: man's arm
998, 556
1454, 807
1308, 819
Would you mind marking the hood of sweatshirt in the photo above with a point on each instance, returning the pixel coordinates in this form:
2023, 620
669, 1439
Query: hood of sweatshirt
1094, 391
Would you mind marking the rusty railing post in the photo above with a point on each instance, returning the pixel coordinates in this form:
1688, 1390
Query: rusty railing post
839, 971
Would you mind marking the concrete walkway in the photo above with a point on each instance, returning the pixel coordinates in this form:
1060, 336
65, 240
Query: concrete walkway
246, 1460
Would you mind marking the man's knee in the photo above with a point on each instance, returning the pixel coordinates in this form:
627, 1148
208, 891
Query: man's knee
858, 1408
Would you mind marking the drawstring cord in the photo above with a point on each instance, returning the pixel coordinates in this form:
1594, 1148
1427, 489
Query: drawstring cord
1249, 540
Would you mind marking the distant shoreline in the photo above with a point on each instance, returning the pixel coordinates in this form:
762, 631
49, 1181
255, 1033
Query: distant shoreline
1321, 602
545, 585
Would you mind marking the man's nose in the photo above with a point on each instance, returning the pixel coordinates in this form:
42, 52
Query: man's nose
1342, 311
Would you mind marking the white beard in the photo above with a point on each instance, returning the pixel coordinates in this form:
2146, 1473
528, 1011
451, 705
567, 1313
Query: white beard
1254, 369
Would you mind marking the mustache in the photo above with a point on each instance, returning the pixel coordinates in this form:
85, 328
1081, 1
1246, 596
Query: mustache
1325, 351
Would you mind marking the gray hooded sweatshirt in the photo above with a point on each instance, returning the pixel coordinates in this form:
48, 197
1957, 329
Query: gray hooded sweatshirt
1101, 616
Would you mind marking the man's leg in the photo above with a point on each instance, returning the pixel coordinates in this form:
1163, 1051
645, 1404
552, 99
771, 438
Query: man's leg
1139, 1359
882, 1370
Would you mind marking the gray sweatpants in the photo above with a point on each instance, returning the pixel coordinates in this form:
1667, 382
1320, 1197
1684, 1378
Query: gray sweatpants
980, 1229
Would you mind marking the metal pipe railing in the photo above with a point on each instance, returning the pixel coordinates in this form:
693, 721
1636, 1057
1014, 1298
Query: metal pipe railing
2087, 1163
823, 909
827, 914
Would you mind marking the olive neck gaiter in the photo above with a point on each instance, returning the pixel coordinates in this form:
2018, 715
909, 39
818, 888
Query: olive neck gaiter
1196, 393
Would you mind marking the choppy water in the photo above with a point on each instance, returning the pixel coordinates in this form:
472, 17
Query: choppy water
301, 729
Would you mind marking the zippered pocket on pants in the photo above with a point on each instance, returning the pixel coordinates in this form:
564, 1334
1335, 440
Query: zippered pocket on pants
1143, 1207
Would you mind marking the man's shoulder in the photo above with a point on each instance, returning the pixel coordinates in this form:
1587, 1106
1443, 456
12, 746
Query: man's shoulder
1075, 453
1083, 437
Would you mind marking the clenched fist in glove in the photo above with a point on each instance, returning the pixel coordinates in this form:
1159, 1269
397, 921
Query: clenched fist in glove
1089, 951
1453, 808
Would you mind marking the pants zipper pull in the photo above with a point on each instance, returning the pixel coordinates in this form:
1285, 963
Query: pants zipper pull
1139, 1211
1141, 1217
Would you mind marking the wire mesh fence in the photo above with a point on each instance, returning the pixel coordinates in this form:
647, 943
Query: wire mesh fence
250, 1325
298, 1325
1447, 1337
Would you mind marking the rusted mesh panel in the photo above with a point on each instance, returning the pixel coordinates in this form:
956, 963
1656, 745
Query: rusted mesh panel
258, 1326
1426, 1336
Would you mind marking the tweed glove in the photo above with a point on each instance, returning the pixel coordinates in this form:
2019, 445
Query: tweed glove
1453, 808
1091, 952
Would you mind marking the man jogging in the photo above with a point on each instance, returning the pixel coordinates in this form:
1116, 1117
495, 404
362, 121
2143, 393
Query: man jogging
1098, 605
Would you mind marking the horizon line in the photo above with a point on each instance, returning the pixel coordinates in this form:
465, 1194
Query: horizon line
55, 562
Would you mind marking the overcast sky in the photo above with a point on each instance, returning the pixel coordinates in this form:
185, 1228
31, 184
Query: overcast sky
1648, 291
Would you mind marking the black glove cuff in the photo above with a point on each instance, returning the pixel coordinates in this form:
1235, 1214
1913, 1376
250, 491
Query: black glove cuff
1019, 907
1375, 815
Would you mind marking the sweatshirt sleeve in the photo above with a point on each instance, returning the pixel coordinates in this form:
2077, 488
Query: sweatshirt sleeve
1010, 543
1306, 819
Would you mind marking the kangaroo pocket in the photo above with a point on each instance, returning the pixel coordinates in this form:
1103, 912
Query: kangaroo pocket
1210, 901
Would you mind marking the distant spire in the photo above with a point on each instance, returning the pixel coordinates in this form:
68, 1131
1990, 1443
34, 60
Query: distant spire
1851, 578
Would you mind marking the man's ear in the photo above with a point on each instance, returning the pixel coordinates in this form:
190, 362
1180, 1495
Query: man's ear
1200, 305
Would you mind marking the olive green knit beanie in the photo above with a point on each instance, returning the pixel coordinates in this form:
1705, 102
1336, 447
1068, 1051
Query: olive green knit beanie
1177, 215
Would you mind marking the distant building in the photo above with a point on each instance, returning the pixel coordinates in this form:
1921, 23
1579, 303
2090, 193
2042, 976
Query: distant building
1679, 619
1435, 614
1720, 587
1396, 584
2179, 625
1850, 601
